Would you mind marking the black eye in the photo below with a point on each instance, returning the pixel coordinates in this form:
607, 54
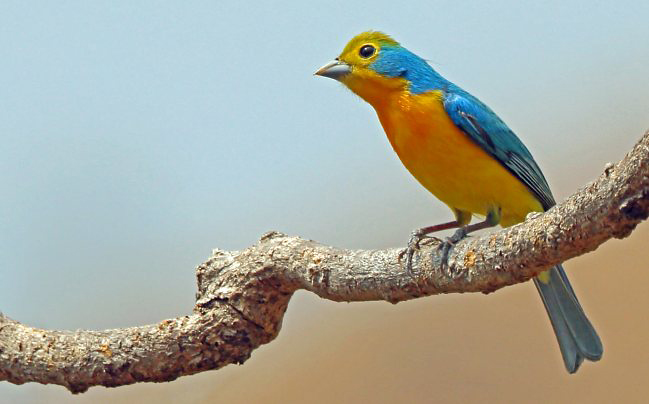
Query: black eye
366, 51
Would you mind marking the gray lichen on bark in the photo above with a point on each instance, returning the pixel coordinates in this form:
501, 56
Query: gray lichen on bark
242, 295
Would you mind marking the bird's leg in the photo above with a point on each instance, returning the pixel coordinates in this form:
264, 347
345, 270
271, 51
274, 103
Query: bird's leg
492, 219
418, 235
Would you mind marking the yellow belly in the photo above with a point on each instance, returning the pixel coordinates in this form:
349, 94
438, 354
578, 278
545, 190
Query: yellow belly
448, 163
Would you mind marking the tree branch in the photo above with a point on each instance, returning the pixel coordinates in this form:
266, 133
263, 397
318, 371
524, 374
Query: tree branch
242, 296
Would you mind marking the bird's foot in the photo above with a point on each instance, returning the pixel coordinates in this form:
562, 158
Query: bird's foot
416, 237
446, 246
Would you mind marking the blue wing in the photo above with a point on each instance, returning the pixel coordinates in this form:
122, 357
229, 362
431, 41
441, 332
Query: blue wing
576, 336
484, 127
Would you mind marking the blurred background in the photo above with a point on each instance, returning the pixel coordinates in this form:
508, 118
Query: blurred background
137, 136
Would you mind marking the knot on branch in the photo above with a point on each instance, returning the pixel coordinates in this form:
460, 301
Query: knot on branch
255, 290
636, 207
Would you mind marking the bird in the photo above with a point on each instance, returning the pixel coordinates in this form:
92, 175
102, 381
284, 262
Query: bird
464, 154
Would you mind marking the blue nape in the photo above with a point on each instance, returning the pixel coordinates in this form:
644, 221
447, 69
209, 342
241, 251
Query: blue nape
396, 61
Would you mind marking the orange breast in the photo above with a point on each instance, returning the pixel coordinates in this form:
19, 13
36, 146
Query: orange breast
447, 162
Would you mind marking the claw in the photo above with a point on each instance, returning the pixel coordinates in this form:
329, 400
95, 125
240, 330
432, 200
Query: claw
493, 218
417, 236
413, 245
446, 246
445, 249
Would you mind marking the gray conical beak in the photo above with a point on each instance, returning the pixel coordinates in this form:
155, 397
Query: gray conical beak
334, 70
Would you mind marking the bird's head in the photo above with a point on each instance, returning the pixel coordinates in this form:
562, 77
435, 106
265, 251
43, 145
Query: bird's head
373, 64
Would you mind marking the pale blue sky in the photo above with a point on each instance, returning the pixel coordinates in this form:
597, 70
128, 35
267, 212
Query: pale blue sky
137, 136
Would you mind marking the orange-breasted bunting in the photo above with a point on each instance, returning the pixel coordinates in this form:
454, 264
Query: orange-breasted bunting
464, 154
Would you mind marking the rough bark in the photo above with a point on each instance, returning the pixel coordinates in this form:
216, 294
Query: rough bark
242, 295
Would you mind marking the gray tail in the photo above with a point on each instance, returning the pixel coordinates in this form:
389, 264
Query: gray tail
577, 338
